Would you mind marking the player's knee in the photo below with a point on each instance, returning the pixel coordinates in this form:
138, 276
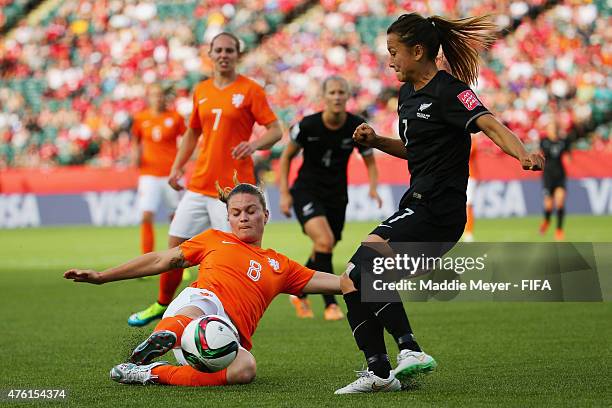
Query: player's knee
243, 370
247, 373
324, 244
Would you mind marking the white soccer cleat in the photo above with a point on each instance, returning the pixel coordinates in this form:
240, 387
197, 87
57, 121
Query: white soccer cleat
411, 362
129, 373
368, 382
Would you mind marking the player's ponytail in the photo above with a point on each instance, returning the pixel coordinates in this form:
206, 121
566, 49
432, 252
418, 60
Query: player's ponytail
461, 40
226, 193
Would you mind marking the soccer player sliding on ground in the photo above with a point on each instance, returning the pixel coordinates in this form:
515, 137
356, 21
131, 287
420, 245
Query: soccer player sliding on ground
319, 194
437, 112
225, 107
237, 280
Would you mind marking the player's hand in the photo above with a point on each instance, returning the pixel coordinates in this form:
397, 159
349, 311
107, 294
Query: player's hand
365, 135
286, 201
175, 179
373, 194
243, 150
532, 161
84, 275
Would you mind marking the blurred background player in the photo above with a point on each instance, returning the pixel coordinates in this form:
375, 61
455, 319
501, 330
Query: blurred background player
553, 149
319, 195
437, 112
237, 280
468, 233
156, 131
225, 108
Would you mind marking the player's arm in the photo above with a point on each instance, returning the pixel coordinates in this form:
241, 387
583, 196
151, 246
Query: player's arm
370, 164
366, 136
152, 263
189, 141
509, 143
289, 152
272, 135
323, 282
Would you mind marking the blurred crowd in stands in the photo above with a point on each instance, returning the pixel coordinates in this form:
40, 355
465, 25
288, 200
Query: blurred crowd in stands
72, 76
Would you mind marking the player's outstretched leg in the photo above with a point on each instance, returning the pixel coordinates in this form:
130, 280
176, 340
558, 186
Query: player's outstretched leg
369, 336
241, 371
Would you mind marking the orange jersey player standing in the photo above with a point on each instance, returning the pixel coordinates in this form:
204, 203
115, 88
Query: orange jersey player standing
225, 108
237, 280
156, 131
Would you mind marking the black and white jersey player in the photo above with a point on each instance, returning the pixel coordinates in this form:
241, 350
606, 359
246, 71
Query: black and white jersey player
437, 112
319, 195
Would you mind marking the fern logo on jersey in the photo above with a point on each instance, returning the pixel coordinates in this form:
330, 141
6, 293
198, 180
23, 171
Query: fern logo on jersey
237, 100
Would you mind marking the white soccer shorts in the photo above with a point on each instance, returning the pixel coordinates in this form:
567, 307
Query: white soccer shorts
203, 299
152, 190
197, 213
471, 190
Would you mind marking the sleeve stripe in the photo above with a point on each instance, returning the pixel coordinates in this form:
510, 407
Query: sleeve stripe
476, 116
294, 132
367, 152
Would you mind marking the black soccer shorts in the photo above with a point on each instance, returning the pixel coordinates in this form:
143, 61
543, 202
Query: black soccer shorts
552, 182
415, 222
306, 206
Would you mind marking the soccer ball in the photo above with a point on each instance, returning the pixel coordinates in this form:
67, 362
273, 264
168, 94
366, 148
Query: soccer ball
209, 343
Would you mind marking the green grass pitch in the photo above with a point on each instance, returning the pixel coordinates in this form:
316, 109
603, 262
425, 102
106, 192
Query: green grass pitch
59, 334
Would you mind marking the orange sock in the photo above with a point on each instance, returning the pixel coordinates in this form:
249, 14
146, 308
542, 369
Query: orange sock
147, 237
188, 376
469, 225
175, 324
168, 283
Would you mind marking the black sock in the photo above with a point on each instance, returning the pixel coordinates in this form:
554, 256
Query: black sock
393, 318
309, 264
379, 365
547, 214
323, 263
560, 216
368, 334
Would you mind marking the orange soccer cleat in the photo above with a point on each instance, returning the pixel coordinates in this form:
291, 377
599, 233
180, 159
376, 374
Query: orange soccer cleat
333, 312
559, 235
543, 227
302, 307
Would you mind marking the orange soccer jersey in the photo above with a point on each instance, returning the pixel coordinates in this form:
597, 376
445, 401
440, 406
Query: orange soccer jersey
158, 134
225, 117
244, 277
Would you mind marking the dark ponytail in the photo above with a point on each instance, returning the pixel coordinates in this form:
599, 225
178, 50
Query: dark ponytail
461, 40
